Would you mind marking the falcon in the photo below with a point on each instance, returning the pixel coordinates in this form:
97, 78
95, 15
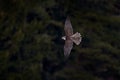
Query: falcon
70, 37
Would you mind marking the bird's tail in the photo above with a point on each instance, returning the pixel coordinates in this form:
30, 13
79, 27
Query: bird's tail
76, 38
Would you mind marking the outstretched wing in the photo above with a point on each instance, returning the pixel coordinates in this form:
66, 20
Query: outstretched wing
68, 47
68, 27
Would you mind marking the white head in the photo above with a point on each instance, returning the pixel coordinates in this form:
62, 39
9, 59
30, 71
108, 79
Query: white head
64, 38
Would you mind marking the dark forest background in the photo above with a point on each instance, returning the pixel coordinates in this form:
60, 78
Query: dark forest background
31, 47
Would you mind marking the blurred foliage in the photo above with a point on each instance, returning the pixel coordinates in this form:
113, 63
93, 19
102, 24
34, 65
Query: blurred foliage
31, 47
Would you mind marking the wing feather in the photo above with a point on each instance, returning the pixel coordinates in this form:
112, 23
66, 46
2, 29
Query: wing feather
68, 27
68, 47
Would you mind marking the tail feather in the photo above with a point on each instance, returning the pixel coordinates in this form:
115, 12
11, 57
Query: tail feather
76, 38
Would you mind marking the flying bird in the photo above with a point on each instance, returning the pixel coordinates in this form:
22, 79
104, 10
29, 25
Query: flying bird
70, 37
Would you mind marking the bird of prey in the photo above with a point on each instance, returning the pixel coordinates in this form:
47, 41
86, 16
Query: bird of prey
70, 37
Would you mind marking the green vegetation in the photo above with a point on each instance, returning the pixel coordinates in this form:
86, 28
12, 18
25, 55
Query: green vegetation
31, 47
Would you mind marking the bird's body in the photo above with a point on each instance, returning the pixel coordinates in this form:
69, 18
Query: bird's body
70, 37
76, 38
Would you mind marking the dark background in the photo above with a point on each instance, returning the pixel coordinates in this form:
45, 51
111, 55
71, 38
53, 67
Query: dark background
31, 47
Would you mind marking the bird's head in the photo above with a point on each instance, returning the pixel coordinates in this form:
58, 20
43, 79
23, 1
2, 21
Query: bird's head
64, 38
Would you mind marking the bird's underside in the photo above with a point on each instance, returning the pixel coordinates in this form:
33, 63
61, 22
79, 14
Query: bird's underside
76, 38
70, 37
